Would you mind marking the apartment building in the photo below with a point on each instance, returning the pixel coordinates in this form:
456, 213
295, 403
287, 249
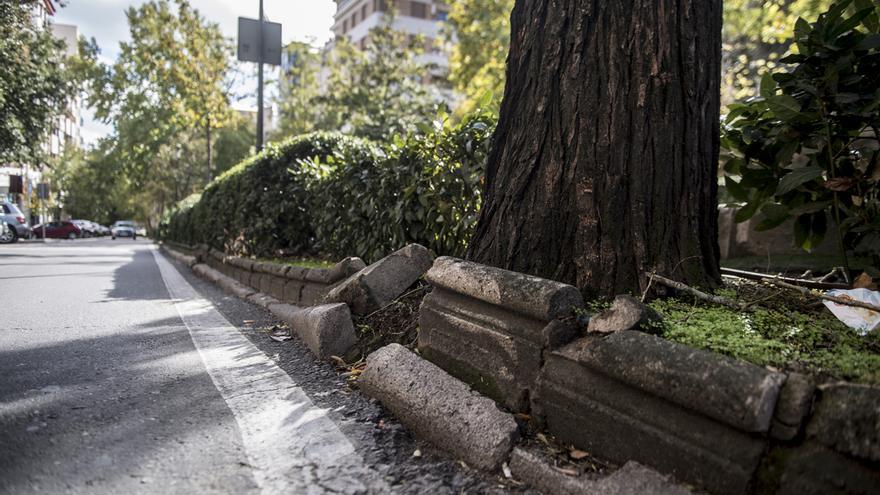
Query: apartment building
355, 18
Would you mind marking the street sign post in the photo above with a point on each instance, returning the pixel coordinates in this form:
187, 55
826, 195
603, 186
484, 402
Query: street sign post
259, 41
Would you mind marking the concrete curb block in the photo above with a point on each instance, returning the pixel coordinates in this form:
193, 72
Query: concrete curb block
187, 260
224, 282
327, 330
439, 408
631, 479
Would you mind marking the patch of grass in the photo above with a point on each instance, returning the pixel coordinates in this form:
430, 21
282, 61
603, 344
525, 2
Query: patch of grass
790, 335
301, 262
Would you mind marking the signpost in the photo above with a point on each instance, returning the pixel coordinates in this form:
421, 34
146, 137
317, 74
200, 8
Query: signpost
259, 41
43, 195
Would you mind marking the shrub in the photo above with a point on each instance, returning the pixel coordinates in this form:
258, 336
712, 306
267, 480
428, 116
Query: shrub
424, 188
340, 196
807, 147
260, 206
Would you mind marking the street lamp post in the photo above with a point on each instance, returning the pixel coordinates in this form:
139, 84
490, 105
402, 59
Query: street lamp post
260, 83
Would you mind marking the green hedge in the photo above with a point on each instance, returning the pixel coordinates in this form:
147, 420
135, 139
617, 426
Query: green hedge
334, 195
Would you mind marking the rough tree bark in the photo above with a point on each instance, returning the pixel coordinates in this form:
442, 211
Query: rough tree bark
604, 163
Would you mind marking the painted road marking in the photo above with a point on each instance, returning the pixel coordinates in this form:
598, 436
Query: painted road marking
293, 445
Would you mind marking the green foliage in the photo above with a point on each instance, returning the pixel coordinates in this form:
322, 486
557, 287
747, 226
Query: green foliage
756, 34
337, 196
35, 85
807, 147
480, 31
375, 92
424, 188
786, 339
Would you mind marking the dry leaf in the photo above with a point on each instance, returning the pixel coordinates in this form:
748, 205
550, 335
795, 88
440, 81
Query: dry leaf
578, 454
864, 281
506, 470
567, 471
523, 417
543, 438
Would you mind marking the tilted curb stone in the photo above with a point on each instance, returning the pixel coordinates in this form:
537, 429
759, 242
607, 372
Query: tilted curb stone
490, 327
327, 330
631, 479
697, 415
439, 408
380, 283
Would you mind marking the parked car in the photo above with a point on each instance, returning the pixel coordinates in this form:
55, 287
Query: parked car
88, 228
15, 221
141, 230
123, 228
57, 230
103, 230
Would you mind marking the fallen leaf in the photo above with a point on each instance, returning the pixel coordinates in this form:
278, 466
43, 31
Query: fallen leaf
523, 417
280, 335
578, 454
840, 184
248, 322
417, 453
567, 471
506, 470
543, 438
864, 281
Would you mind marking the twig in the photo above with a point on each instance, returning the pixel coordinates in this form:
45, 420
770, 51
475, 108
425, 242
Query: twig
698, 294
838, 300
392, 303
648, 287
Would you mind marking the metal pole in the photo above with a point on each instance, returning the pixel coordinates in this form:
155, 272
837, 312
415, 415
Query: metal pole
260, 86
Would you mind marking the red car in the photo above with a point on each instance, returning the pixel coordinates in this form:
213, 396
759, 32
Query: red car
57, 230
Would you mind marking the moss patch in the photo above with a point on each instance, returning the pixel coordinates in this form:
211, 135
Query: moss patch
301, 262
784, 331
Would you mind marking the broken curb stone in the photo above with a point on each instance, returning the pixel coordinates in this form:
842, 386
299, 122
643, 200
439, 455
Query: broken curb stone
489, 327
380, 283
626, 313
326, 330
439, 408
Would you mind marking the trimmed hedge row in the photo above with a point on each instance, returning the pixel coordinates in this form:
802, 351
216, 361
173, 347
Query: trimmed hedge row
334, 195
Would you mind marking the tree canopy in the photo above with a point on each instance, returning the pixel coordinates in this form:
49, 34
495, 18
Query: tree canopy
35, 84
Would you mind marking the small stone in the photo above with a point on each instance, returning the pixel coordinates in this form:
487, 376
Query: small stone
626, 313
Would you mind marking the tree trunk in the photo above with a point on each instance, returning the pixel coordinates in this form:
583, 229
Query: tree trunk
604, 164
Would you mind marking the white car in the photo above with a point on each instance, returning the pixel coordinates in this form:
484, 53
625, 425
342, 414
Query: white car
123, 228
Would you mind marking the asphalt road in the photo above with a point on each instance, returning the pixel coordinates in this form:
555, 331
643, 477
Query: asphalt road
121, 372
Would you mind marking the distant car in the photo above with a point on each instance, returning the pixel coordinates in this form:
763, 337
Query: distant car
123, 228
103, 230
57, 230
15, 221
141, 230
88, 228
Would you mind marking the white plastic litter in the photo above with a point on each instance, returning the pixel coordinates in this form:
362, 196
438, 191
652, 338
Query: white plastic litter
862, 319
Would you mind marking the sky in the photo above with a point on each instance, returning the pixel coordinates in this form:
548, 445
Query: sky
104, 20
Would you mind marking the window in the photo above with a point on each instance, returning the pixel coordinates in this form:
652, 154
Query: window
418, 10
364, 11
354, 19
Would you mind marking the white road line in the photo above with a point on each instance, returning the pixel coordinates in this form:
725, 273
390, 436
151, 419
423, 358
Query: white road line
293, 445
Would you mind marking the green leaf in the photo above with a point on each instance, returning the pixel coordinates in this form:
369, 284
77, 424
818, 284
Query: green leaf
785, 107
796, 178
735, 189
768, 85
775, 215
746, 212
810, 229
